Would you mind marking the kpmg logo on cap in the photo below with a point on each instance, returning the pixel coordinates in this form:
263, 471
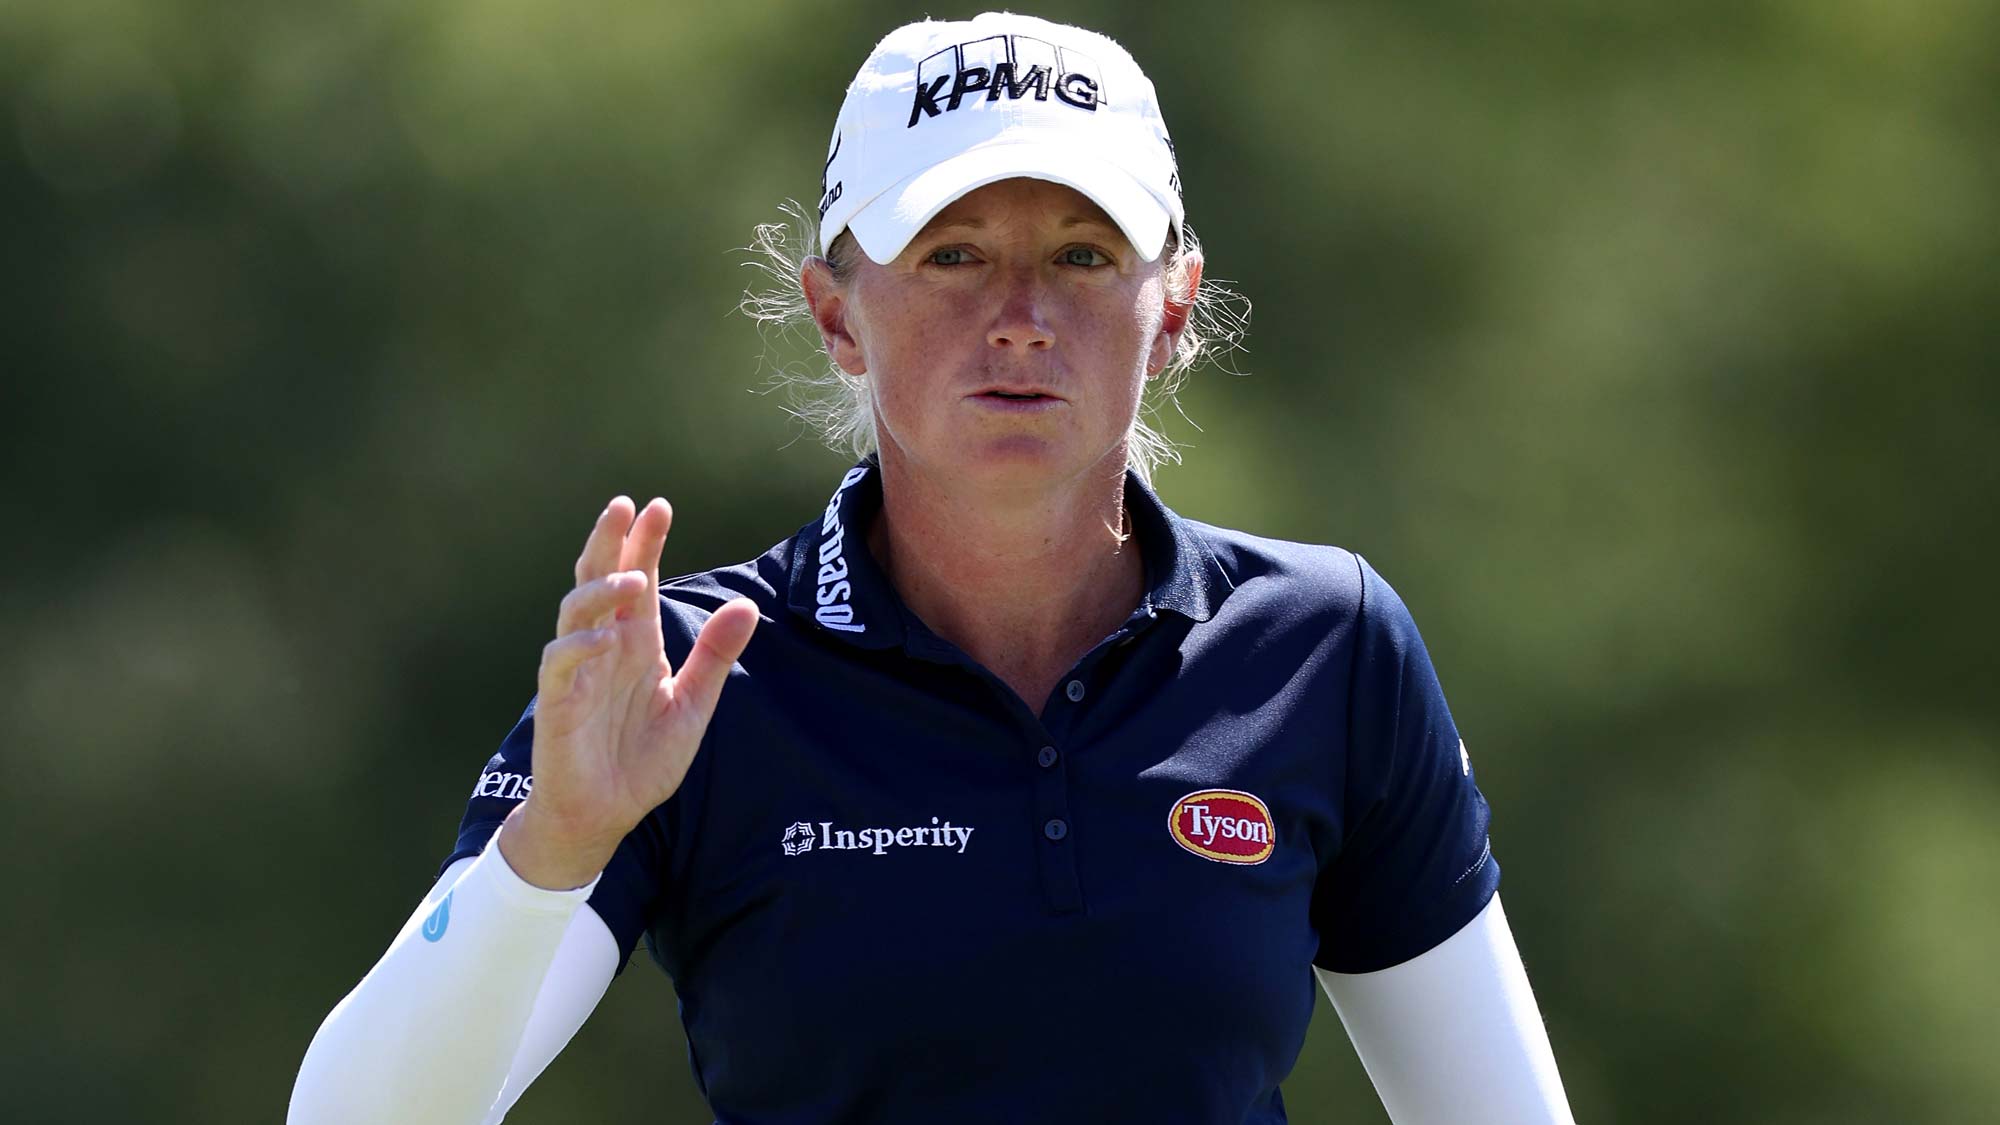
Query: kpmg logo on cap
1016, 65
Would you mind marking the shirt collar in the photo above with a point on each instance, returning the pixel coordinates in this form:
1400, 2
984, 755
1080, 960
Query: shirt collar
837, 587
1182, 574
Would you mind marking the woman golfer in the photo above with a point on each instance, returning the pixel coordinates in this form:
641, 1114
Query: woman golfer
999, 792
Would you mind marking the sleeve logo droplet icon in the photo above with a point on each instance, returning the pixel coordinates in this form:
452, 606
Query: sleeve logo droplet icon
434, 926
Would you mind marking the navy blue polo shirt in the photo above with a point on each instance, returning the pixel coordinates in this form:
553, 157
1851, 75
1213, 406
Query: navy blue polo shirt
889, 890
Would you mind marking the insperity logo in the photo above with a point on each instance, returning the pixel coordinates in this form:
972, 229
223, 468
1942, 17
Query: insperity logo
1015, 66
802, 837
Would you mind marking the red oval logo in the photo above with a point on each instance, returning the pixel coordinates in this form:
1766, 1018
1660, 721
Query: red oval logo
1225, 825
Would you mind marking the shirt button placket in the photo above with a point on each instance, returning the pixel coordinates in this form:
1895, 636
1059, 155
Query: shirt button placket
1056, 855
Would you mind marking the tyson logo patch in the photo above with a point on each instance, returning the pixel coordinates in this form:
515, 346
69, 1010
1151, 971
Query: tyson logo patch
1225, 825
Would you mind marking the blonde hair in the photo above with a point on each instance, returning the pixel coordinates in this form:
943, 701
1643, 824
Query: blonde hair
835, 405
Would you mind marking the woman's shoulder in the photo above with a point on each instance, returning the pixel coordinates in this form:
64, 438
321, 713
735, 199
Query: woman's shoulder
1309, 568
1328, 577
692, 597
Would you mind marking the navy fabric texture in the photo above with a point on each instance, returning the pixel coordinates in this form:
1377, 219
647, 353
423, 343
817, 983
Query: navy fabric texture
889, 890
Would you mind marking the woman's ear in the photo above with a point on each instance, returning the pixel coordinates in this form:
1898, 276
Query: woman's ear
1183, 285
827, 298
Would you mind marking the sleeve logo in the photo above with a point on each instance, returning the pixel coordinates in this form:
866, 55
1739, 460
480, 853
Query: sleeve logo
504, 785
1225, 825
440, 919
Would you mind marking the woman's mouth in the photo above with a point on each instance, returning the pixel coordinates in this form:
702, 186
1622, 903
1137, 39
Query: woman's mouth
1016, 401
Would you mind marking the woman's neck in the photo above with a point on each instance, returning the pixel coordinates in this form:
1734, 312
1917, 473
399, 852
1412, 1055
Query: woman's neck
1025, 581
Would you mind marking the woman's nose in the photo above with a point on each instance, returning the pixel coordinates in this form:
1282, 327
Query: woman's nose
1022, 321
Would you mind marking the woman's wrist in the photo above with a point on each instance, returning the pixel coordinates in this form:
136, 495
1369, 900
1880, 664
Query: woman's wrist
549, 859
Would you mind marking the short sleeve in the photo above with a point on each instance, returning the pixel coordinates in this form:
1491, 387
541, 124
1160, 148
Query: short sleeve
1414, 864
625, 895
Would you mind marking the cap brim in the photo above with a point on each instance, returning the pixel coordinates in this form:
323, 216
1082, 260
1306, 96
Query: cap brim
886, 224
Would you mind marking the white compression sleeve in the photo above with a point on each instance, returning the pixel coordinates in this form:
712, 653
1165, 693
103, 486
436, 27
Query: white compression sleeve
584, 965
1453, 1035
480, 989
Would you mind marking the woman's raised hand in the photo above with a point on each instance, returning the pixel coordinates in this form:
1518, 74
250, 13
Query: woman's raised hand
615, 725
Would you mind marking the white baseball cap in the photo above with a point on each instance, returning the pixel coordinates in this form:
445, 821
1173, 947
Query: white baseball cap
941, 108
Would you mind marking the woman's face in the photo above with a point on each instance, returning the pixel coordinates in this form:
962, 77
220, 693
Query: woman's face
1009, 341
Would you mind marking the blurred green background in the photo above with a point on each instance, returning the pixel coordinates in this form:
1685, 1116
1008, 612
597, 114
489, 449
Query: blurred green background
1648, 349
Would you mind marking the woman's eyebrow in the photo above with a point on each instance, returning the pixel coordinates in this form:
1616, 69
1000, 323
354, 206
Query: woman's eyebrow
974, 222
971, 222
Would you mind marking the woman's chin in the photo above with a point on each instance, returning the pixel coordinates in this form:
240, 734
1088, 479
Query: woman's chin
1024, 461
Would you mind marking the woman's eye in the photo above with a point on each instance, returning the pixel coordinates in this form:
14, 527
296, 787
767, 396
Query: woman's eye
950, 256
1084, 256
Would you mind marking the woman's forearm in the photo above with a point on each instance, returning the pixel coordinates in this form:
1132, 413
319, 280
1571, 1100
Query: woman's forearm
432, 1032
1454, 1035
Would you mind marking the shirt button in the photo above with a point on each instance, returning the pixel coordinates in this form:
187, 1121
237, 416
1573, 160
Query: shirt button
1047, 757
1055, 829
1074, 691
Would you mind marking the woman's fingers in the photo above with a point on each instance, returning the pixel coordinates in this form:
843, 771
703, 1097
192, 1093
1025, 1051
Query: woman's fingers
587, 606
722, 640
564, 656
607, 540
649, 536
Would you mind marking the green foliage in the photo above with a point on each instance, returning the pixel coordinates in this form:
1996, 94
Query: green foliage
1647, 349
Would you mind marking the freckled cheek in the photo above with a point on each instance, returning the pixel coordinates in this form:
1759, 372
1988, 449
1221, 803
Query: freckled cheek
909, 377
1115, 341
890, 347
